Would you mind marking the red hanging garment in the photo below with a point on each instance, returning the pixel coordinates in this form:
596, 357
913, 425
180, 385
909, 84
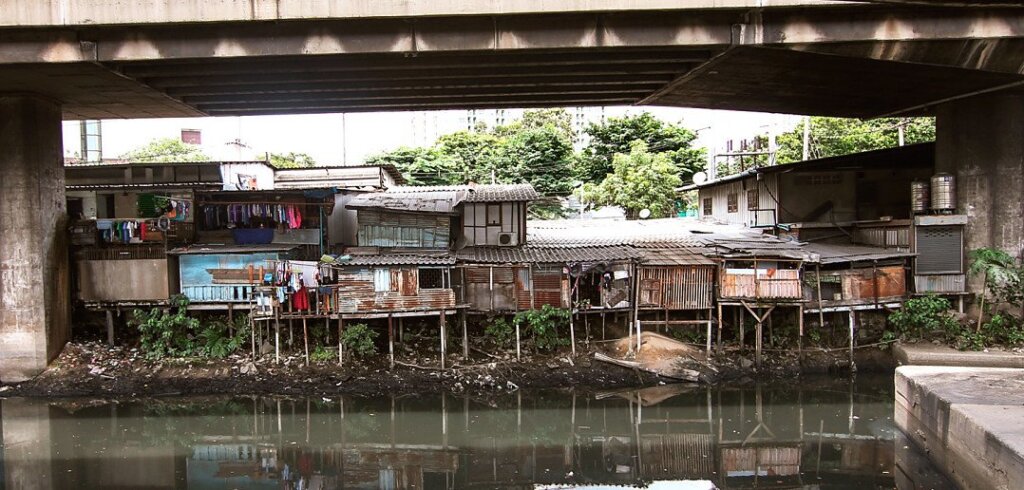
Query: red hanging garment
300, 299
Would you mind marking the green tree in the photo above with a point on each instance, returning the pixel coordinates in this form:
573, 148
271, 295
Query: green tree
475, 154
422, 166
538, 155
617, 134
639, 180
291, 160
832, 136
166, 150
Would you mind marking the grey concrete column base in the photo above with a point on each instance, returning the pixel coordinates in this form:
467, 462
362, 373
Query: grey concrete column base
34, 272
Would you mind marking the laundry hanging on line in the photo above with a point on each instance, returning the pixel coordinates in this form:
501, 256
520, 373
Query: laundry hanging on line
216, 216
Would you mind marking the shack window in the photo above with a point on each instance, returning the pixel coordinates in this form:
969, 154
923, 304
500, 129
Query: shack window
381, 280
733, 202
707, 206
431, 278
493, 214
752, 200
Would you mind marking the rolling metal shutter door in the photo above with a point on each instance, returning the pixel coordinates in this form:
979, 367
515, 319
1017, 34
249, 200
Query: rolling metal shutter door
939, 250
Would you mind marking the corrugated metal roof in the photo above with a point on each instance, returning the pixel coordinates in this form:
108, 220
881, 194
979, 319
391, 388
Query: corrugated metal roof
393, 258
546, 255
654, 233
838, 254
675, 256
764, 246
439, 201
478, 192
230, 249
158, 185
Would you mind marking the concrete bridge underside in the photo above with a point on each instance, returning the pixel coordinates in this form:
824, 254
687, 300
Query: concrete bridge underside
76, 59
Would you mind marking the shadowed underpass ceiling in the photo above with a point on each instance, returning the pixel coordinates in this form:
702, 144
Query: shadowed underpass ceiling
856, 60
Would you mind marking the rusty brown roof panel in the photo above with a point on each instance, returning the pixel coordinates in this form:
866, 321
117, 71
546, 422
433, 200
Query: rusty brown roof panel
549, 255
843, 253
399, 259
668, 256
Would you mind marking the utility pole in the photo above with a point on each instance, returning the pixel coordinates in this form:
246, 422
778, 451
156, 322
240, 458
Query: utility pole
807, 137
899, 127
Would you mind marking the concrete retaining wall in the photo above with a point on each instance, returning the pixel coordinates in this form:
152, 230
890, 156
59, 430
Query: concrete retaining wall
970, 421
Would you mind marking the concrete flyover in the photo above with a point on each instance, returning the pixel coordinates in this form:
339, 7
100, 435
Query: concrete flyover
76, 59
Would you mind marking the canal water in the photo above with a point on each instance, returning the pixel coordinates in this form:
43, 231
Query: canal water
807, 433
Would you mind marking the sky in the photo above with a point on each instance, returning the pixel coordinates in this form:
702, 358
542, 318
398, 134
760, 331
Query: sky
348, 139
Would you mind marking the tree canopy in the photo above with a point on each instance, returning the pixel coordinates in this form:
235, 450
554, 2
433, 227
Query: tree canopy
166, 150
535, 149
617, 134
639, 180
291, 160
833, 136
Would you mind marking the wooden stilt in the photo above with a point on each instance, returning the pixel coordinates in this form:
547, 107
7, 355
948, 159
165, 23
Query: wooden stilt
518, 350
586, 328
291, 334
800, 336
277, 336
719, 328
707, 349
603, 321
465, 334
391, 340
401, 331
757, 344
444, 339
110, 328
853, 327
572, 332
305, 338
252, 335
743, 320
341, 345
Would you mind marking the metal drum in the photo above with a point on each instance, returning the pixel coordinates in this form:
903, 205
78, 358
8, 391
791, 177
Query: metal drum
920, 196
943, 192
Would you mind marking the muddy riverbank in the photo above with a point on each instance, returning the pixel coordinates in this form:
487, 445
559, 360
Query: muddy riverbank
92, 369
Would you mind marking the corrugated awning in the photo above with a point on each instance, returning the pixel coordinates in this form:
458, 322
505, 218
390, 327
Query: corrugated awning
546, 255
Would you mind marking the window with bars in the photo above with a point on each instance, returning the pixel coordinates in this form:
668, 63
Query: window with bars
708, 209
733, 203
431, 278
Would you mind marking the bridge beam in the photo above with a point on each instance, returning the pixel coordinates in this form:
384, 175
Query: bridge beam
979, 141
34, 294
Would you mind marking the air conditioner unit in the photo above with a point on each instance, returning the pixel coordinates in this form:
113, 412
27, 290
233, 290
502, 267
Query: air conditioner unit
506, 239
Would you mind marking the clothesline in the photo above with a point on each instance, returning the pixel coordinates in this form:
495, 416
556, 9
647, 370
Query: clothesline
237, 203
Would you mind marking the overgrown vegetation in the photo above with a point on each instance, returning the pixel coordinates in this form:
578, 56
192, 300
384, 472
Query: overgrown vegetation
501, 332
359, 340
543, 326
931, 318
322, 354
174, 333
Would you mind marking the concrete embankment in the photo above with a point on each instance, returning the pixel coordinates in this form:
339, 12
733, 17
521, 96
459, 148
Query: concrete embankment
969, 420
944, 355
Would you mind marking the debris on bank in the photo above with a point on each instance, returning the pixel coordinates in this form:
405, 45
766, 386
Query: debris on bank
659, 355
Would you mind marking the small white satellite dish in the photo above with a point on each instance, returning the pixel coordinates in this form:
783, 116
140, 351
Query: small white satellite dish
645, 213
700, 178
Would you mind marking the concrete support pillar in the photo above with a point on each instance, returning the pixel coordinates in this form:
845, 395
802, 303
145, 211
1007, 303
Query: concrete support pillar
981, 141
34, 292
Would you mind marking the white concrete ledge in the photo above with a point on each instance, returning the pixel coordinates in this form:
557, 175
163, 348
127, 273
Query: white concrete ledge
970, 421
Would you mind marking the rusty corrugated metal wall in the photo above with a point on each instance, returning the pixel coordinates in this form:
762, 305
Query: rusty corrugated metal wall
677, 288
762, 283
356, 292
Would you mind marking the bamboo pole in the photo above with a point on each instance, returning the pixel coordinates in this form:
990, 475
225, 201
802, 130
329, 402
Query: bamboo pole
518, 351
277, 335
821, 311
465, 335
719, 328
